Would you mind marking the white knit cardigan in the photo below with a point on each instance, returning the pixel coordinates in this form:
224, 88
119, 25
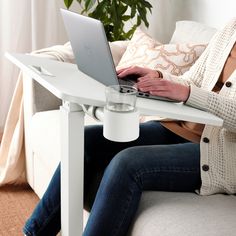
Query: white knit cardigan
218, 144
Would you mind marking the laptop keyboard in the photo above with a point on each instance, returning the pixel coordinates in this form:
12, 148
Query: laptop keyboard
126, 82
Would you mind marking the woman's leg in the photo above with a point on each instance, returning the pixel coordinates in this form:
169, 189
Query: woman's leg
159, 167
100, 151
98, 154
46, 218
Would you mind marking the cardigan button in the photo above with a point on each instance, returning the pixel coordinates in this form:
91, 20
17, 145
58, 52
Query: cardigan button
206, 140
205, 167
228, 84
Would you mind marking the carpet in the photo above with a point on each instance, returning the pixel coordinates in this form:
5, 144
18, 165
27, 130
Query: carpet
16, 205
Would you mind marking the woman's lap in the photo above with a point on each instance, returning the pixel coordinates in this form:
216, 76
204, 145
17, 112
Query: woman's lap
100, 151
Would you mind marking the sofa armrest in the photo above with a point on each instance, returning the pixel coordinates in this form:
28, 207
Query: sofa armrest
43, 100
37, 98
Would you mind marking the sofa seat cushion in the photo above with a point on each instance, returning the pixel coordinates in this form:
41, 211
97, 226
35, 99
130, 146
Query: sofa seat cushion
45, 136
191, 31
185, 214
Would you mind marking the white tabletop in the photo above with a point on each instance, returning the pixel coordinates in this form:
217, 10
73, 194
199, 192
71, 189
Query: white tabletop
70, 84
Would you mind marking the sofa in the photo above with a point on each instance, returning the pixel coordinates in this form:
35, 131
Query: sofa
159, 213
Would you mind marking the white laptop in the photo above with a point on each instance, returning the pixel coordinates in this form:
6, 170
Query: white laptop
92, 52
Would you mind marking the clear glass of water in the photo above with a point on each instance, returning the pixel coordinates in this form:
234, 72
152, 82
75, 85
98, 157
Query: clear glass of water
121, 98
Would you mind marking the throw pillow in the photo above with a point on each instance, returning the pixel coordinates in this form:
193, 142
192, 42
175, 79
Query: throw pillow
117, 50
192, 31
144, 51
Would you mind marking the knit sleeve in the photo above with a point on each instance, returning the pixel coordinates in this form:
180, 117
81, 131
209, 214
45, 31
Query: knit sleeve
217, 104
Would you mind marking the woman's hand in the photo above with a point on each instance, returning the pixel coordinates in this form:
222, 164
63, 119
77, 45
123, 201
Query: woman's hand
139, 71
149, 81
164, 88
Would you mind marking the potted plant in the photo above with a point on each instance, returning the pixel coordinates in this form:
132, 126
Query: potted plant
114, 14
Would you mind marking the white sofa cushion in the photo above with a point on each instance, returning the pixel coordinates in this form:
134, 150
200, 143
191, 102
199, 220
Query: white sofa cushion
45, 137
192, 31
45, 143
185, 214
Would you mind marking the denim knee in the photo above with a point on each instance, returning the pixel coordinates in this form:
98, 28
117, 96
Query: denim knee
124, 165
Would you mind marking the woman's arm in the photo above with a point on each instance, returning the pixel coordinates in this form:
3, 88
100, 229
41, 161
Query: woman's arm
217, 104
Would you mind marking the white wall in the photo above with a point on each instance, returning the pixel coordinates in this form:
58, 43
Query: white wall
165, 13
213, 12
26, 25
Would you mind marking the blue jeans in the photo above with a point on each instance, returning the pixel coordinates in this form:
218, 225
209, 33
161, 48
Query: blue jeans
116, 174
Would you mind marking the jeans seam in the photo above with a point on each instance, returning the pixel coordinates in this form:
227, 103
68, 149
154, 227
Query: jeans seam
140, 173
172, 170
48, 219
117, 229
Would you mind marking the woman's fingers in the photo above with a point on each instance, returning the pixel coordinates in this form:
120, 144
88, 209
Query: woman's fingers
127, 71
145, 82
136, 70
165, 88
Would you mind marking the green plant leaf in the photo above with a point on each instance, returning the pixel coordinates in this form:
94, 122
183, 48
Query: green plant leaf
146, 4
133, 11
142, 12
68, 3
139, 21
125, 18
115, 13
89, 4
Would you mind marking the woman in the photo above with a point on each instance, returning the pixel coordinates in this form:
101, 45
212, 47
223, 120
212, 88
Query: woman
169, 156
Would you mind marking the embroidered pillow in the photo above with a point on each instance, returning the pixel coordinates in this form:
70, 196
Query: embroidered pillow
144, 51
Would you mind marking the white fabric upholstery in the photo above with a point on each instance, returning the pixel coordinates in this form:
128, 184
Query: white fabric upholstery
185, 214
45, 137
192, 32
45, 143
117, 50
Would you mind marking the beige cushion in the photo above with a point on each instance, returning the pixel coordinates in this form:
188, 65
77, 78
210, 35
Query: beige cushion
117, 49
144, 51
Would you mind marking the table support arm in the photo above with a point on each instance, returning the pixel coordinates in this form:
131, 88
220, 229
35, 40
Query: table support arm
72, 168
95, 112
